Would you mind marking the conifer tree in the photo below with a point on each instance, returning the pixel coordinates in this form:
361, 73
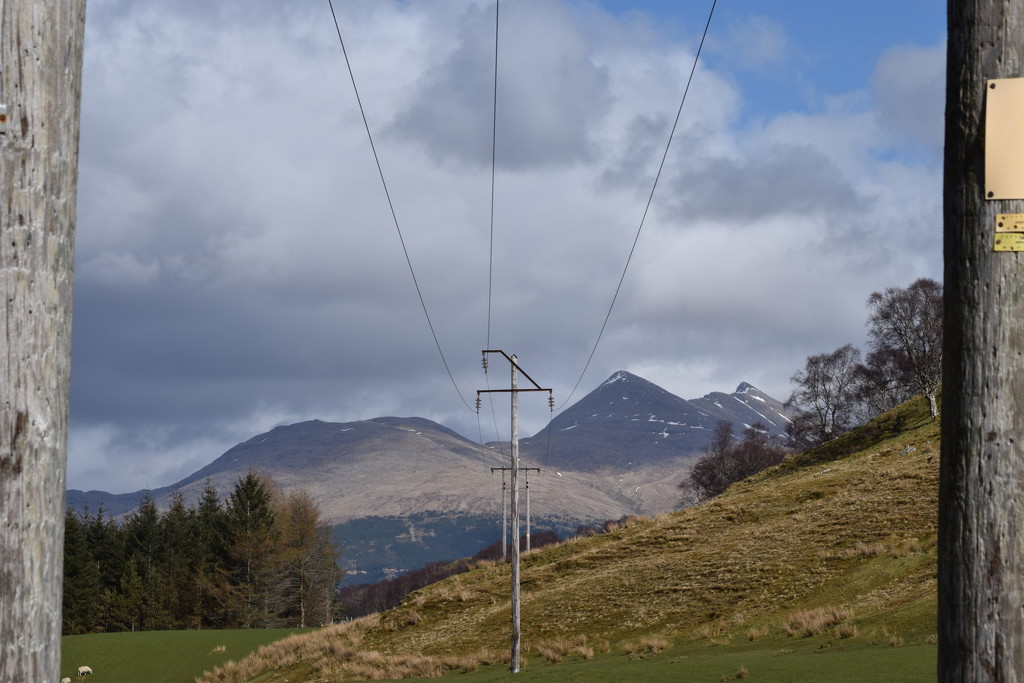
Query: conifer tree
178, 528
212, 588
251, 536
82, 589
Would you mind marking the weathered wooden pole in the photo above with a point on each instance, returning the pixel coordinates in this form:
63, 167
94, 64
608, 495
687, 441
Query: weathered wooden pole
40, 95
504, 520
981, 496
514, 515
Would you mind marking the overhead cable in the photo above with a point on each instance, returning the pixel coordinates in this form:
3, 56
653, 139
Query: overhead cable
394, 215
647, 208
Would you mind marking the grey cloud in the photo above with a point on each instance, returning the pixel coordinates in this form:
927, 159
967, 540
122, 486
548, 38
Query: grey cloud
550, 91
909, 84
784, 179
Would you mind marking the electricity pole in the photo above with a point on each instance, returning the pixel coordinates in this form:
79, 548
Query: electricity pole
40, 99
504, 525
504, 521
514, 503
527, 472
981, 489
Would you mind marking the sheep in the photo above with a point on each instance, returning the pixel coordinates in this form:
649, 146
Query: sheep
65, 680
84, 670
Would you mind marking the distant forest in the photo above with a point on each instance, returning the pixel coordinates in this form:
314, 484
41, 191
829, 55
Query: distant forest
260, 559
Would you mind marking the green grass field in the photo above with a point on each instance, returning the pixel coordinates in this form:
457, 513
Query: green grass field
179, 656
160, 656
778, 662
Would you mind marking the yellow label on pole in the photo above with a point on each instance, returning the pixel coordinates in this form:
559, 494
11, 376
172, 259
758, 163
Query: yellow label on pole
1010, 222
1009, 241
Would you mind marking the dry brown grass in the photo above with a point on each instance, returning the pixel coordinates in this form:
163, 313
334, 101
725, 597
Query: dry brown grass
555, 649
648, 645
813, 622
335, 652
845, 631
869, 549
757, 632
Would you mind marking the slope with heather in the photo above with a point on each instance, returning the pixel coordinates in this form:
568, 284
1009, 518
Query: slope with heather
844, 535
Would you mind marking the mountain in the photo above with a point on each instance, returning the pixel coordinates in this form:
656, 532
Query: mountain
386, 466
628, 422
620, 450
397, 489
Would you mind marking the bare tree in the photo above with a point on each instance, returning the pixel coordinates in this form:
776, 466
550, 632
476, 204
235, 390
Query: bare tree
909, 322
825, 399
885, 380
727, 460
40, 94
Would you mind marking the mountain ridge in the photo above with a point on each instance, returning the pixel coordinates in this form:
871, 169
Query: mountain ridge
620, 450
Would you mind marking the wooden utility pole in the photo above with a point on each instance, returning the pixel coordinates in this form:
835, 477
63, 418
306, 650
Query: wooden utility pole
981, 493
40, 95
504, 519
513, 511
526, 470
514, 502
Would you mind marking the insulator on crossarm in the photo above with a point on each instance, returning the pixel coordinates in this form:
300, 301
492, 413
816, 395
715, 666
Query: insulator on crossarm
551, 401
478, 403
483, 360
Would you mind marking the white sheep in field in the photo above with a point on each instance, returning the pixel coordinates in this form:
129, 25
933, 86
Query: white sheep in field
65, 680
84, 670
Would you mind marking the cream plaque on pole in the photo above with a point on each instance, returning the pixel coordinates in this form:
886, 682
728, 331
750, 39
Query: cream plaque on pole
1004, 139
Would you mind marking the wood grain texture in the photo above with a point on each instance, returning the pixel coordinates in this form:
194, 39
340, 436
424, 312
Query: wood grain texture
981, 545
40, 83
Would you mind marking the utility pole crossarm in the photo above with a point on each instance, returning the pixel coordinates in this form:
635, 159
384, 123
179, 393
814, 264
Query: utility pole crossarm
512, 360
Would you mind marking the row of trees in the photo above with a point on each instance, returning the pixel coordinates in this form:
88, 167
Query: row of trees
837, 391
259, 559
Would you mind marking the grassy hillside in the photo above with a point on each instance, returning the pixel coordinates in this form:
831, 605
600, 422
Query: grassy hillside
831, 549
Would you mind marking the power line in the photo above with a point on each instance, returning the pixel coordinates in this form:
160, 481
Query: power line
391, 205
647, 208
494, 144
490, 264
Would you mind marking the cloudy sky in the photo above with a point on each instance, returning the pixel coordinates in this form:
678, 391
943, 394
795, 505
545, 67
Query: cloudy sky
238, 266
